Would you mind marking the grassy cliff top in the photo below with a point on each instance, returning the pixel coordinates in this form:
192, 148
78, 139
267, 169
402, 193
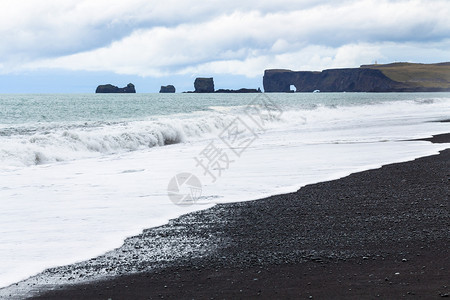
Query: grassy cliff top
417, 75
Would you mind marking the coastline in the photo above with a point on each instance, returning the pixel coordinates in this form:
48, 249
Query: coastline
314, 242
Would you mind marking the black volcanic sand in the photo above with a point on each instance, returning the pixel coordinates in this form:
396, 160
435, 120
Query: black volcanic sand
379, 233
439, 138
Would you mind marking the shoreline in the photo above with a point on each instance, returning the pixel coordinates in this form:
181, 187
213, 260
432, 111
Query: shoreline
241, 246
438, 138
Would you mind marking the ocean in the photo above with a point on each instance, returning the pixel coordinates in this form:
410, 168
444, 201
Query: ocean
81, 172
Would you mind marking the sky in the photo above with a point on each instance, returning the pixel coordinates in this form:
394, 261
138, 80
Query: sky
71, 46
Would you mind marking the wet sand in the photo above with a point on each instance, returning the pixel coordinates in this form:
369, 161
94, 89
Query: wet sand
378, 233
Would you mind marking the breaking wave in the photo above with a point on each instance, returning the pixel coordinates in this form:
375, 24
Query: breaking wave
34, 144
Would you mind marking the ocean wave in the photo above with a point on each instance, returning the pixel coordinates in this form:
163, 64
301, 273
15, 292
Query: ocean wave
25, 146
35, 144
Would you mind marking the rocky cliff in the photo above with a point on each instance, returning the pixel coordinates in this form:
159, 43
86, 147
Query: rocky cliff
334, 80
371, 78
109, 88
417, 77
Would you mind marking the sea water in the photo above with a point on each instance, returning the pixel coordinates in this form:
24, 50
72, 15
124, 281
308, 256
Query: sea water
80, 173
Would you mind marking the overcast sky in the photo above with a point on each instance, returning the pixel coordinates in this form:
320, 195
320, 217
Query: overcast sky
77, 44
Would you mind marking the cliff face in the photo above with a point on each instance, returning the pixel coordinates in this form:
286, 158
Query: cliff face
396, 77
418, 77
109, 88
334, 80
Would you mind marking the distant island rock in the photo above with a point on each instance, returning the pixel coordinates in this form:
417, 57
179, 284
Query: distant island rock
204, 85
243, 90
109, 88
395, 77
167, 89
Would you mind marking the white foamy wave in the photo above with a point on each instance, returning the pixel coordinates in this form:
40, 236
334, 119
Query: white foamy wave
59, 214
41, 144
75, 142
326, 116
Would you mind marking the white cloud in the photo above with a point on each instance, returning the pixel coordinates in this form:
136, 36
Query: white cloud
237, 37
308, 58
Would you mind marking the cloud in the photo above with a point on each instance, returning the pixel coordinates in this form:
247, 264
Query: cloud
237, 37
51, 27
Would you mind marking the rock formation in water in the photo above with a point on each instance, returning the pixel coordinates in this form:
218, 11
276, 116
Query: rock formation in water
335, 80
167, 89
243, 90
396, 77
109, 88
204, 85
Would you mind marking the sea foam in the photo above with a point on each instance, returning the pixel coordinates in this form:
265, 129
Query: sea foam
97, 183
47, 143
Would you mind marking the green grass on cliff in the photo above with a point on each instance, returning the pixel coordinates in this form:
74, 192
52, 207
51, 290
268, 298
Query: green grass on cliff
417, 75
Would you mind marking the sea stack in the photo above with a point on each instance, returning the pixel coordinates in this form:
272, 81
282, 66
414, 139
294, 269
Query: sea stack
109, 88
204, 85
167, 89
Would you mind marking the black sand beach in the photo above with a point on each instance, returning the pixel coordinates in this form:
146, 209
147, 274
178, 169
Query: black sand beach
379, 233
